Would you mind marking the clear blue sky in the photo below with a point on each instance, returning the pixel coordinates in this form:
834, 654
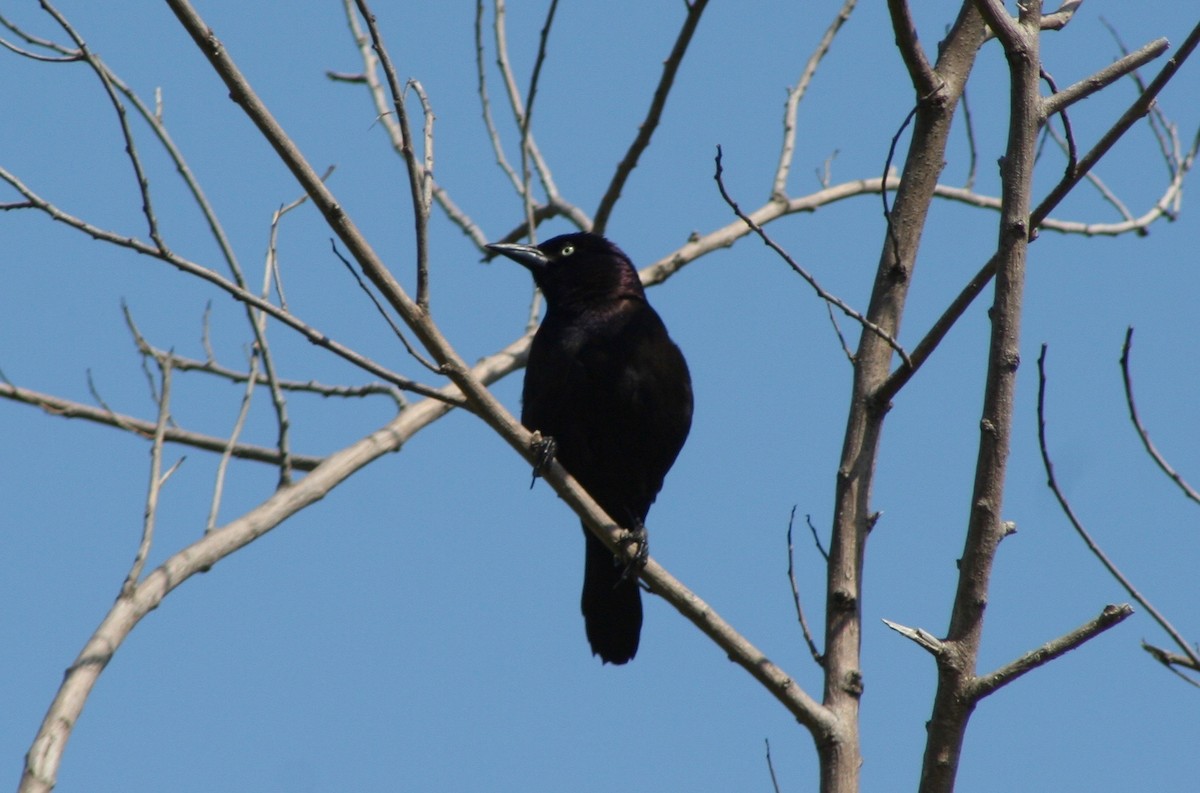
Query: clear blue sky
419, 629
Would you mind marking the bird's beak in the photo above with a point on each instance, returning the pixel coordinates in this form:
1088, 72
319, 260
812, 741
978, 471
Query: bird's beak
525, 255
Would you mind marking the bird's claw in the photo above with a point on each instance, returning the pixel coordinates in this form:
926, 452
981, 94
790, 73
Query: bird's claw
639, 536
544, 448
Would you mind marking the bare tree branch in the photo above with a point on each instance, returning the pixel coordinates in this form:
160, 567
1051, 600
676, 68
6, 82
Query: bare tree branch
1159, 460
1111, 615
1083, 533
791, 573
796, 94
650, 123
57, 406
821, 293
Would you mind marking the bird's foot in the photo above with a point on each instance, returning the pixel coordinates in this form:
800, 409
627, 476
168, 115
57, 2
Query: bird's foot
637, 535
543, 447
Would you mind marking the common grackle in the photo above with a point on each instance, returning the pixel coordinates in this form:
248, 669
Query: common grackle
608, 385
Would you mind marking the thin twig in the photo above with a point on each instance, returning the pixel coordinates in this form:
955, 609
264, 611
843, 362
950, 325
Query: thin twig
110, 90
821, 293
66, 408
242, 295
486, 105
157, 478
210, 366
653, 115
576, 215
214, 507
418, 176
791, 572
796, 94
527, 120
771, 767
1083, 533
972, 152
1159, 460
383, 312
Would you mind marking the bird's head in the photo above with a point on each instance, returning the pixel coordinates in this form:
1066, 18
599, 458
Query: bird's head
576, 269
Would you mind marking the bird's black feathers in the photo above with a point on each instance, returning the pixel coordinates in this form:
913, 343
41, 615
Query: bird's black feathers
606, 382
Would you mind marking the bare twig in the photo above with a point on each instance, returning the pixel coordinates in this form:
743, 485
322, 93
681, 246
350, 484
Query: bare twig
210, 366
110, 90
66, 408
653, 115
1083, 533
1111, 615
1135, 112
821, 293
214, 507
241, 294
486, 105
383, 312
1173, 662
1159, 460
791, 573
1060, 100
771, 768
576, 215
157, 479
972, 152
527, 120
817, 538
796, 94
418, 175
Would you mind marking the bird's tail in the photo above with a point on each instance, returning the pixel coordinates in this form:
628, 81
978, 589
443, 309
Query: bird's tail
612, 607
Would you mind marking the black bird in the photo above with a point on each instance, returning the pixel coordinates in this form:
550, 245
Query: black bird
608, 385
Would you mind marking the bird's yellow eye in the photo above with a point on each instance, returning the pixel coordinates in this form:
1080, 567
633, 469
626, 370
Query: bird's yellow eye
566, 250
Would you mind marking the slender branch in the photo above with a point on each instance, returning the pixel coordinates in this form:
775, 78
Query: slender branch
1111, 615
486, 105
417, 174
214, 507
527, 120
1159, 460
821, 293
771, 768
375, 89
135, 160
210, 366
791, 573
291, 320
653, 115
972, 150
399, 334
66, 408
1059, 101
577, 216
1052, 483
1172, 661
157, 479
796, 94
924, 79
1136, 111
